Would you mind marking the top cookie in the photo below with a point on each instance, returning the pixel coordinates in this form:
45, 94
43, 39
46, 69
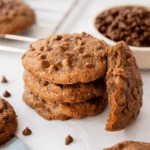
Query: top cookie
15, 17
130, 145
124, 87
8, 121
67, 58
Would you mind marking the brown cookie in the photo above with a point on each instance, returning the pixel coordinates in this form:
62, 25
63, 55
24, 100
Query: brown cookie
91, 107
124, 87
73, 93
67, 58
130, 145
8, 121
15, 17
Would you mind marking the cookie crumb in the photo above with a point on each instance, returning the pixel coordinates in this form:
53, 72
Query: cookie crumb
27, 131
6, 94
4, 80
68, 140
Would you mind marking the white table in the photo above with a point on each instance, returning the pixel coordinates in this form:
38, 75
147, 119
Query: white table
88, 133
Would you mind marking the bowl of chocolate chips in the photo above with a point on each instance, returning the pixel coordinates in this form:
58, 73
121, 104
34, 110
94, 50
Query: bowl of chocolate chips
129, 23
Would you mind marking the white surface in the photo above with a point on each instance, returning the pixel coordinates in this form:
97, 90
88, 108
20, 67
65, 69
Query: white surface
88, 133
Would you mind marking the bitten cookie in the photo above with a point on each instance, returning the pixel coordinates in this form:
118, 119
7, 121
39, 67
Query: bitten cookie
73, 93
124, 87
8, 121
92, 107
67, 58
130, 145
15, 17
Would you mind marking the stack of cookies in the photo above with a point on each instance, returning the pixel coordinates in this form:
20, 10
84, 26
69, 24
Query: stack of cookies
65, 76
73, 75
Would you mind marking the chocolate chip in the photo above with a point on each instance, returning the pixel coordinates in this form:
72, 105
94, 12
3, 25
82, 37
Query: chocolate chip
58, 37
27, 131
4, 80
129, 41
89, 65
58, 64
31, 48
42, 56
63, 46
68, 55
68, 140
42, 48
45, 83
45, 64
147, 22
6, 94
79, 42
98, 46
86, 55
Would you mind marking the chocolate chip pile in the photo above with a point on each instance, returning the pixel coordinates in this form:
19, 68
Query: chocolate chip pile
127, 23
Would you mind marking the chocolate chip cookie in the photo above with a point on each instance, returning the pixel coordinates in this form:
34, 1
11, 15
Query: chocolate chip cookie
67, 58
73, 93
130, 145
92, 107
124, 87
15, 17
8, 121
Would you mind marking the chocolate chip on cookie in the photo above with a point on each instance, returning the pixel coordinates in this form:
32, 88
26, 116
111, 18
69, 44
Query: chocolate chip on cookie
8, 121
15, 17
68, 140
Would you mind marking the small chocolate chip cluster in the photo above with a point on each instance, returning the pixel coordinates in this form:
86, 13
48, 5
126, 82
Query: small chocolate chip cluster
126, 23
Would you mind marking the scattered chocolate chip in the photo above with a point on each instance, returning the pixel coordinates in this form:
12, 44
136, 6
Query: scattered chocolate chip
45, 64
68, 140
27, 131
6, 94
4, 80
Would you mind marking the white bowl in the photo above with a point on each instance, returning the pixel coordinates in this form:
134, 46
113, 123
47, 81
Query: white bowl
142, 54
